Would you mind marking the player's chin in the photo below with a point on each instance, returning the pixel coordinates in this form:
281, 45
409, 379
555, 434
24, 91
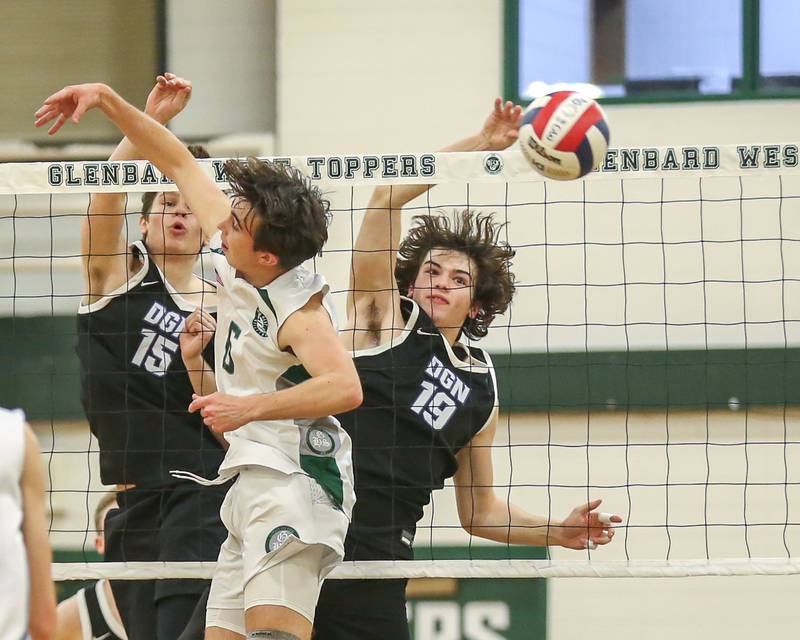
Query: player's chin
184, 246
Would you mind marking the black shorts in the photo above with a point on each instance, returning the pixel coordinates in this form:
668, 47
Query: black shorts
179, 523
361, 610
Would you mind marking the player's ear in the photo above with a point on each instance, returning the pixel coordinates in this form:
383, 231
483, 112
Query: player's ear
474, 310
143, 223
267, 259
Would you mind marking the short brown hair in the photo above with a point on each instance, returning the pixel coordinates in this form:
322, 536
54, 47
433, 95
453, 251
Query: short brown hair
198, 151
106, 501
288, 215
475, 235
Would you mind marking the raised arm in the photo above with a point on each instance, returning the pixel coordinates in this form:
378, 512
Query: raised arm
37, 547
103, 247
156, 143
484, 514
373, 298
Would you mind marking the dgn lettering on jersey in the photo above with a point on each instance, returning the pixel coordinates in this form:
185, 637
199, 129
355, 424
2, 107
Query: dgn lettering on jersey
436, 403
158, 345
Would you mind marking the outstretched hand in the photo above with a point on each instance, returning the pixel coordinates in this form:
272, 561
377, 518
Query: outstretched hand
585, 527
71, 102
168, 98
501, 128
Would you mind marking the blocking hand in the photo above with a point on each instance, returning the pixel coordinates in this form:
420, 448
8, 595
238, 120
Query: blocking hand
501, 128
71, 102
168, 97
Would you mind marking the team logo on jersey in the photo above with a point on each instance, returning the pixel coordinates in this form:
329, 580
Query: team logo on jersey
260, 323
279, 536
320, 442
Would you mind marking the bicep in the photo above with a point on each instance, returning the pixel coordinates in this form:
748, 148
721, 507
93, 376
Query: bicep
312, 337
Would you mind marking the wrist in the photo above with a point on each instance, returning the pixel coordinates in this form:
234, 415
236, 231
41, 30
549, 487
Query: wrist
193, 362
254, 409
107, 96
480, 142
555, 534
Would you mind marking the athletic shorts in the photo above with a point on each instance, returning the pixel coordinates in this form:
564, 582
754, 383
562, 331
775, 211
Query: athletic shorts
361, 610
284, 536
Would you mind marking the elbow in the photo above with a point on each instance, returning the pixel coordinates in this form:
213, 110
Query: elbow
355, 396
468, 520
473, 528
351, 396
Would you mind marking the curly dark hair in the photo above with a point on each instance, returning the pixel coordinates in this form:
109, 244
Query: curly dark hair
475, 235
289, 217
198, 151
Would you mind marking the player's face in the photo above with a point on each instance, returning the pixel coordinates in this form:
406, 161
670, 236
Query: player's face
444, 287
237, 240
171, 228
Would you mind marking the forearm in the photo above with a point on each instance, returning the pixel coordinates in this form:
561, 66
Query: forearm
397, 196
39, 557
43, 602
201, 375
150, 138
509, 524
318, 397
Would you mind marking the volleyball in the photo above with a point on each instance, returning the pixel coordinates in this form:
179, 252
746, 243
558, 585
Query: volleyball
564, 135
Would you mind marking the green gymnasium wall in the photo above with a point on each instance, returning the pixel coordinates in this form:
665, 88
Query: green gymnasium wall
39, 372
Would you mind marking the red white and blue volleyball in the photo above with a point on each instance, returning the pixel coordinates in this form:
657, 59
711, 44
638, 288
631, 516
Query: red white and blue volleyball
564, 135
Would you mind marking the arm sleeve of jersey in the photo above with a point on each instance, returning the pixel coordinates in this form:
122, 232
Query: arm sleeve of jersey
223, 270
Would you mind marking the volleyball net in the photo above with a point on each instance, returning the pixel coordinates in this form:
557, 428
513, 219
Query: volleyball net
651, 356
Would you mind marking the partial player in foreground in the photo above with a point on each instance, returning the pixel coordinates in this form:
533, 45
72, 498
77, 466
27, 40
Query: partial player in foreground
430, 405
135, 388
277, 350
27, 593
92, 612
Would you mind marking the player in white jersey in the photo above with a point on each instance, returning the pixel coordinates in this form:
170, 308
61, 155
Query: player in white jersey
27, 594
279, 361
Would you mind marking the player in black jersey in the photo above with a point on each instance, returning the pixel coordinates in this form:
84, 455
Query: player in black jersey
92, 613
430, 403
135, 388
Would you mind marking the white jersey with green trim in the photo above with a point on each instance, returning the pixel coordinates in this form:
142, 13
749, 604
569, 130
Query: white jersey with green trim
250, 361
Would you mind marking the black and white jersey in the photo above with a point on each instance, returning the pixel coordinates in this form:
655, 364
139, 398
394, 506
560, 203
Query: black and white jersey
134, 386
423, 402
98, 621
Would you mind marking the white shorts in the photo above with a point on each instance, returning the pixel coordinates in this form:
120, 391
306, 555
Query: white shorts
284, 536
